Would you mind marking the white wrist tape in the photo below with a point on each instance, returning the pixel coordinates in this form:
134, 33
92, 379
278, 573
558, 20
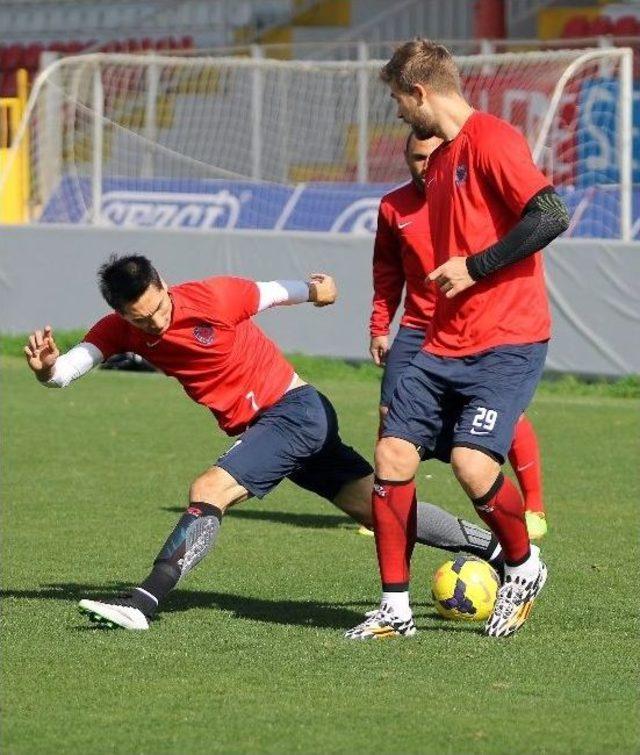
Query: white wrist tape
72, 365
273, 293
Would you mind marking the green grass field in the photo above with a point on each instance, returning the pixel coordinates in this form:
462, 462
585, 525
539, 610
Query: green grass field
249, 655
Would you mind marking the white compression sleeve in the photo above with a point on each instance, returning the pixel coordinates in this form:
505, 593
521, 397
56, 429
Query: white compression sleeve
273, 293
74, 364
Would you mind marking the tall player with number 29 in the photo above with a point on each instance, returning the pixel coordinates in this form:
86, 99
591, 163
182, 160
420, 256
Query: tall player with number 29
490, 212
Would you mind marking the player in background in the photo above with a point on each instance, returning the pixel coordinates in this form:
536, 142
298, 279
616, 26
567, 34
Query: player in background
490, 212
201, 333
403, 257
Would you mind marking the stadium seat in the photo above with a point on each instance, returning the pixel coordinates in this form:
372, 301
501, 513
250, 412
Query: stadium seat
576, 26
75, 46
601, 26
31, 57
626, 26
8, 84
11, 57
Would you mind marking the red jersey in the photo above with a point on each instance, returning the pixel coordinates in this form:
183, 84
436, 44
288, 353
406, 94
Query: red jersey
221, 359
477, 186
402, 253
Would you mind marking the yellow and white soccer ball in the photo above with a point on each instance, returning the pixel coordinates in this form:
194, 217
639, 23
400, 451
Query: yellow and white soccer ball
465, 589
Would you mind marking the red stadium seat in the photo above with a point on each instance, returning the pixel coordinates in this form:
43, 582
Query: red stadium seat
147, 43
186, 43
576, 26
76, 46
8, 84
12, 57
31, 57
626, 26
163, 44
601, 26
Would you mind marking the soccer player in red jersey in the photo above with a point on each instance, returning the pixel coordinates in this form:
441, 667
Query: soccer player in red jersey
490, 212
403, 257
201, 333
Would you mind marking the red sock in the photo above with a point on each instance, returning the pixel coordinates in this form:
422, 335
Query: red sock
394, 523
501, 509
524, 456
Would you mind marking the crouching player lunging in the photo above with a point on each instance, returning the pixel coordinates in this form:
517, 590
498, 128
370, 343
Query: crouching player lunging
490, 212
201, 333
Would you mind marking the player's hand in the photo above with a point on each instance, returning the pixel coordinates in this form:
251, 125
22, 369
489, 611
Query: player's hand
322, 289
41, 352
379, 348
453, 277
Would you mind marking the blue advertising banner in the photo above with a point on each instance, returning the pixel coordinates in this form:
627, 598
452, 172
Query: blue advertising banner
323, 207
597, 142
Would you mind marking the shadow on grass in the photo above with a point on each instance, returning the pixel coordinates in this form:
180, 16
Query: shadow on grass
306, 613
287, 612
312, 521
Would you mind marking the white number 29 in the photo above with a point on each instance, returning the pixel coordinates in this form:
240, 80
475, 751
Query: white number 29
485, 419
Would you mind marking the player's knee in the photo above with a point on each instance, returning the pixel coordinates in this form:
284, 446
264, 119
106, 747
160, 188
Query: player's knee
474, 469
396, 459
211, 487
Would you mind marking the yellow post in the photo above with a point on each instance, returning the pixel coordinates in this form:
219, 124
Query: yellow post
14, 195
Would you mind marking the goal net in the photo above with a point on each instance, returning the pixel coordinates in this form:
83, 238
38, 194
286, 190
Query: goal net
199, 142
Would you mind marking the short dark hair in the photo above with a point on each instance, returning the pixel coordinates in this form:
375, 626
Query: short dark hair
123, 280
422, 61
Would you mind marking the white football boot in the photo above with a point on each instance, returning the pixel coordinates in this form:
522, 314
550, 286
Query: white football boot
514, 601
119, 612
382, 624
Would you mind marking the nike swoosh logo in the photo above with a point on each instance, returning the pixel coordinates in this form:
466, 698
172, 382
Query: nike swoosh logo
526, 466
479, 432
404, 225
154, 343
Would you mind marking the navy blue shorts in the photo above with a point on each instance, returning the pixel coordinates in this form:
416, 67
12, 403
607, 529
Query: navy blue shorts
405, 346
296, 438
473, 401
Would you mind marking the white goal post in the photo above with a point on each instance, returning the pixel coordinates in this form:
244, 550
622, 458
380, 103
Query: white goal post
207, 142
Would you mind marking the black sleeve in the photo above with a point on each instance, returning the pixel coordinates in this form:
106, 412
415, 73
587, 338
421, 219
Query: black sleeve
544, 218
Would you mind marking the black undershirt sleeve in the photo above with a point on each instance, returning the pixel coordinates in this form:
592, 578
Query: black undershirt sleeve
544, 218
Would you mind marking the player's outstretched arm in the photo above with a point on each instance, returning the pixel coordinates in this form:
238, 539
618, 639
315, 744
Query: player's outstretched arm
55, 370
319, 289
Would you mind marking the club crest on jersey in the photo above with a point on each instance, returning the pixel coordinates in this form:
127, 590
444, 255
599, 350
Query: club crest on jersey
461, 174
203, 334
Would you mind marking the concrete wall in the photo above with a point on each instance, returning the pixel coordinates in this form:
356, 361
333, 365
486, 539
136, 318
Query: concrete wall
47, 275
